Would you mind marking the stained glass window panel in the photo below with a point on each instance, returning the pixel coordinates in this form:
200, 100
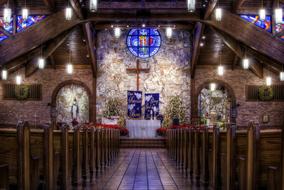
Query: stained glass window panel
143, 42
23, 24
265, 24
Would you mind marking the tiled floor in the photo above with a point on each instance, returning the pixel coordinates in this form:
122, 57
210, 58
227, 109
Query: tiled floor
142, 169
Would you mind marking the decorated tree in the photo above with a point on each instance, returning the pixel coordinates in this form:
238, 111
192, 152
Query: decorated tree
174, 111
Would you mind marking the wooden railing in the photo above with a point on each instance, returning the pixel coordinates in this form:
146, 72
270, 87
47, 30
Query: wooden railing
231, 159
33, 158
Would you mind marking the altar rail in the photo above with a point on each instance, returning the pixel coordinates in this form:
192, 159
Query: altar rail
232, 159
52, 159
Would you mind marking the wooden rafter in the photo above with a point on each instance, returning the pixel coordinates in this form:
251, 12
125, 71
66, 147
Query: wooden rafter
77, 8
196, 48
238, 4
246, 33
50, 5
91, 43
31, 66
210, 9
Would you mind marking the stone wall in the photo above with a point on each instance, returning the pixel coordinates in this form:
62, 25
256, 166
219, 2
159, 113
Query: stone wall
238, 79
168, 74
38, 111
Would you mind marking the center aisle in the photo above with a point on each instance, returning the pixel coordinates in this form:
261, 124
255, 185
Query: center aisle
142, 169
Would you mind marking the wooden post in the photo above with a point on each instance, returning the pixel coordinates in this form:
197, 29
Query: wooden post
253, 139
56, 168
24, 156
185, 148
76, 157
230, 172
272, 178
216, 158
65, 158
35, 174
196, 155
4, 176
190, 151
85, 160
205, 149
99, 153
48, 157
92, 151
242, 173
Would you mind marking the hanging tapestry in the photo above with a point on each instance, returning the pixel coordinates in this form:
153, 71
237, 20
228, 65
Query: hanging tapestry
152, 105
134, 104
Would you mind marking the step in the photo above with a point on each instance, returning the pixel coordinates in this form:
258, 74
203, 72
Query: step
143, 143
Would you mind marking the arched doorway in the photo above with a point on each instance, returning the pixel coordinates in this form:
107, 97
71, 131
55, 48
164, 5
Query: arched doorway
216, 103
71, 100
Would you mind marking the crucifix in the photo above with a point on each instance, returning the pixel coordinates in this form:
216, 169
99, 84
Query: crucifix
138, 70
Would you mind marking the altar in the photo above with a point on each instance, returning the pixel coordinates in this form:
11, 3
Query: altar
142, 128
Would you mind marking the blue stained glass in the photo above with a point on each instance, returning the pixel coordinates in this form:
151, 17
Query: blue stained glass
143, 42
265, 24
31, 20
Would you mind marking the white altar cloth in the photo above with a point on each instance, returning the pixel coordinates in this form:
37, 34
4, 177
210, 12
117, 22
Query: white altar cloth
142, 128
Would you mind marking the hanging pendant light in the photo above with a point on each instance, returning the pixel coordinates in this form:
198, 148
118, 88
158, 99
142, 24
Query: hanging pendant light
169, 32
4, 74
117, 32
18, 79
212, 86
69, 69
191, 5
7, 15
221, 70
262, 12
25, 12
268, 81
93, 5
245, 63
278, 13
282, 76
68, 13
41, 63
218, 14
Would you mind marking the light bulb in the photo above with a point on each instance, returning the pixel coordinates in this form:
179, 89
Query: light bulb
7, 15
268, 81
68, 13
69, 69
191, 5
220, 70
282, 76
25, 13
117, 32
18, 80
245, 63
4, 74
262, 14
203, 37
143, 25
93, 5
201, 44
278, 15
212, 86
169, 32
41, 63
218, 14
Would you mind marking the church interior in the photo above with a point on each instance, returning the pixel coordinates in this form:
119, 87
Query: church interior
142, 94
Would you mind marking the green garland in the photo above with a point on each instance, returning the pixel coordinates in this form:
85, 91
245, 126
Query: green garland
265, 93
22, 92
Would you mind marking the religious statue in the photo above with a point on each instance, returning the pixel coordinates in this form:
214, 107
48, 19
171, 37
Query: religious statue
75, 110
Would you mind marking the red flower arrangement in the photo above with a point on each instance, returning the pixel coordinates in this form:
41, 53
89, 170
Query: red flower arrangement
123, 130
162, 131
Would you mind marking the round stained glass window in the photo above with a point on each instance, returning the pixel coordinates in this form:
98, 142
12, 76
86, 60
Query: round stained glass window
143, 42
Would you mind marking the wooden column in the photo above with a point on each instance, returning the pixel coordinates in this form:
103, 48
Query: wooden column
230, 173
252, 159
24, 156
76, 157
48, 157
65, 158
216, 158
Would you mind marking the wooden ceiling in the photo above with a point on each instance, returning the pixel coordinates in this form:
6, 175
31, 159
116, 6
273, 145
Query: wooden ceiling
129, 11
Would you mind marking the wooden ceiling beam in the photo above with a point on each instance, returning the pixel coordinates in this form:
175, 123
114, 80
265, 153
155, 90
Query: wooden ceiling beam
77, 8
234, 45
26, 41
250, 35
238, 4
198, 31
91, 43
32, 67
210, 9
50, 5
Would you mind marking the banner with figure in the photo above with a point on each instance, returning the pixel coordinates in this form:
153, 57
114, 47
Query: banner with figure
152, 105
134, 104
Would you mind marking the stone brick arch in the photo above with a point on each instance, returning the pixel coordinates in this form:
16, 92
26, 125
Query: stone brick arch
231, 94
73, 82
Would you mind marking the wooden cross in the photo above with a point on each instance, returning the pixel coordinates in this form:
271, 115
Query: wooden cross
138, 70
